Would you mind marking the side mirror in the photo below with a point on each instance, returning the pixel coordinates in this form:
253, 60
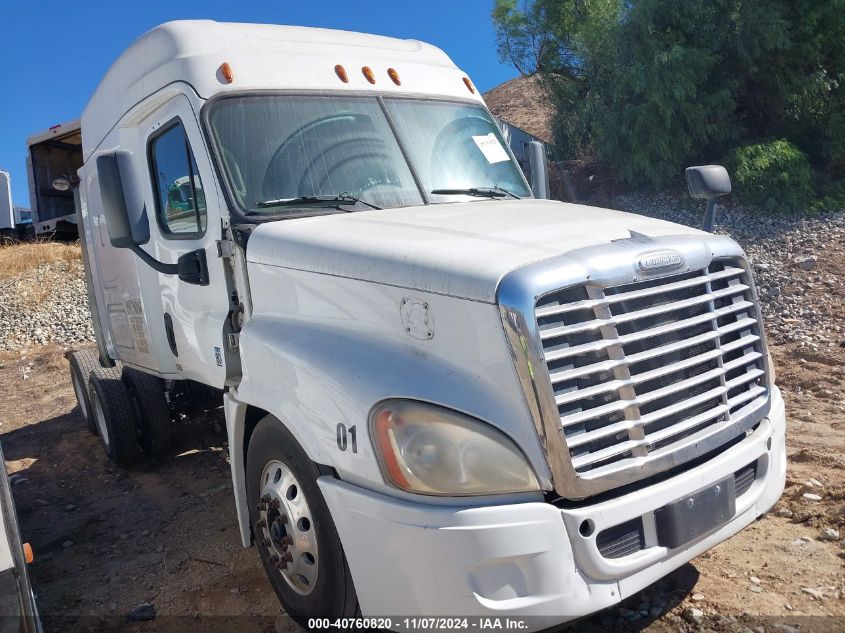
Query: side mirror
709, 182
127, 223
125, 213
539, 166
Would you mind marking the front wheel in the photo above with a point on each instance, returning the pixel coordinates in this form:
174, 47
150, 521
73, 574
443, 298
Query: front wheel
294, 532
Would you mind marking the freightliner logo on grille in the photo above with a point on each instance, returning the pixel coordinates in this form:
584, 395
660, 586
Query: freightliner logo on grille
660, 260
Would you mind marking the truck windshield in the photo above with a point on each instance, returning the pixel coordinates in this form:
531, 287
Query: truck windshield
337, 149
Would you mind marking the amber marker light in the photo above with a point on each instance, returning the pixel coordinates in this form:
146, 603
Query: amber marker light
27, 553
468, 84
383, 431
226, 73
394, 76
340, 71
368, 73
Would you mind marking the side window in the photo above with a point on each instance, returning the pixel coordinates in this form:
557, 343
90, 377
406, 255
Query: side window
180, 203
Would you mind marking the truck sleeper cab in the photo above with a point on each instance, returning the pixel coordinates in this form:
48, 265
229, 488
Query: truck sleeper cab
442, 396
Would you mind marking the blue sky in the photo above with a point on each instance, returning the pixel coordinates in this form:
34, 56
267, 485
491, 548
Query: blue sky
54, 53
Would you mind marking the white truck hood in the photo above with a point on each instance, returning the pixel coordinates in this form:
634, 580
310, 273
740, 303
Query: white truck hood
460, 250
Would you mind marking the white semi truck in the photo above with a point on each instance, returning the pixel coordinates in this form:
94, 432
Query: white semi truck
443, 396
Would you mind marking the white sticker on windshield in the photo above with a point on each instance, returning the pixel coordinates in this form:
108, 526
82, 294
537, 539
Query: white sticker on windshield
491, 148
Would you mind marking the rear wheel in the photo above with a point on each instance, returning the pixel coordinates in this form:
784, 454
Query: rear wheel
114, 415
294, 532
82, 363
152, 415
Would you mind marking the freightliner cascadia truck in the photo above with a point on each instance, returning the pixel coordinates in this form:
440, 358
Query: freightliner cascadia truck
443, 395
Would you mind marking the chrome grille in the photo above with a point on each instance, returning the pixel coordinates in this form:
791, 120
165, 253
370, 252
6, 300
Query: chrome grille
639, 367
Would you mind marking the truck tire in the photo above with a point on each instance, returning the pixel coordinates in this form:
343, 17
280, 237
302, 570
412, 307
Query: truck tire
114, 414
294, 532
152, 414
82, 363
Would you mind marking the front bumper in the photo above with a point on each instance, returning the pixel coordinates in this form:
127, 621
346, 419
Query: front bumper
529, 559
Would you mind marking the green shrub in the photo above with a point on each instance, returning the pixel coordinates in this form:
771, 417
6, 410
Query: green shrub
775, 176
832, 198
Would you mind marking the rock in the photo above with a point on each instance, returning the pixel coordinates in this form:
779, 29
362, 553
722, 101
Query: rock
755, 588
754, 579
124, 536
813, 591
786, 513
142, 613
693, 615
70, 507
816, 483
800, 517
829, 534
799, 542
145, 533
806, 262
67, 544
697, 597
810, 496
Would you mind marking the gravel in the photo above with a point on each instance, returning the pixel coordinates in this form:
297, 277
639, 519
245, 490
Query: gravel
801, 303
48, 305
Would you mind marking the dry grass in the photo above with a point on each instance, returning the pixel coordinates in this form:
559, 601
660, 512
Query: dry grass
19, 258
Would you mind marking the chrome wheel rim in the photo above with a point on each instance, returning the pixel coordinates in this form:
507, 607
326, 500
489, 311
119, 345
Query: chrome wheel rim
286, 528
100, 419
80, 394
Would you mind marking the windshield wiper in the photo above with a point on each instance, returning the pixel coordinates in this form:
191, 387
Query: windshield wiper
478, 192
299, 201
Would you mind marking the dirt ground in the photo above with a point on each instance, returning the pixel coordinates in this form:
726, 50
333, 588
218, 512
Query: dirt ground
108, 539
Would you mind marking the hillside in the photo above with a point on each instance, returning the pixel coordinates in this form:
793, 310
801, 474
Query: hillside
522, 102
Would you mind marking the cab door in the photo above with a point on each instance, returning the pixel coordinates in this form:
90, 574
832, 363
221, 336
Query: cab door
185, 215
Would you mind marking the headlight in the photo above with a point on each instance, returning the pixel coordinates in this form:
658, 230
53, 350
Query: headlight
427, 449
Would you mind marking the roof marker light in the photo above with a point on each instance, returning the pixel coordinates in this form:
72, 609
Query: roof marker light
394, 76
368, 73
225, 73
340, 71
468, 84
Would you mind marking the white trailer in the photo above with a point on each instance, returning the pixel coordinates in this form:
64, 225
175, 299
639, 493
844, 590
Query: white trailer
443, 397
55, 153
7, 209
